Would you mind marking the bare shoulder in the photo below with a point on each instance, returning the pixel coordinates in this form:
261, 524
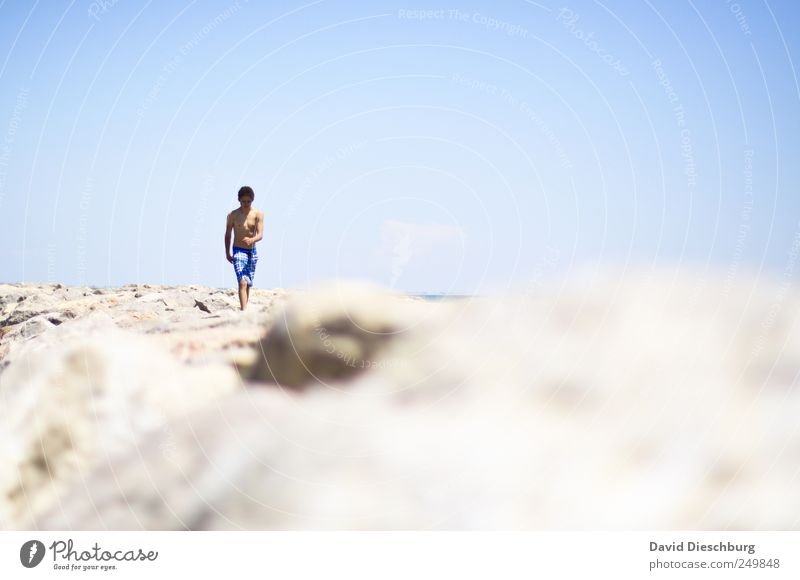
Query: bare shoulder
230, 219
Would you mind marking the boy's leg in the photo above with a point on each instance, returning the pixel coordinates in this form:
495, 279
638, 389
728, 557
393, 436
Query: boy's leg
244, 293
241, 265
251, 272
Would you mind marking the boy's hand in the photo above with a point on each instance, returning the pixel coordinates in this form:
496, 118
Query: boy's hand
230, 258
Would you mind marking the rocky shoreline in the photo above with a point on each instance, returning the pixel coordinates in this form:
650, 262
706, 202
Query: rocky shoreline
643, 402
184, 316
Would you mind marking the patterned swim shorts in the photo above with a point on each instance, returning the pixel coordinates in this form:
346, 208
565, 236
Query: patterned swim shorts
244, 264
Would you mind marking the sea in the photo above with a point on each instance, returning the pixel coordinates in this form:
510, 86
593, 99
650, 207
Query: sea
434, 297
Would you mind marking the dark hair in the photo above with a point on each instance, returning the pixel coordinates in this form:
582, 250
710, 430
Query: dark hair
246, 190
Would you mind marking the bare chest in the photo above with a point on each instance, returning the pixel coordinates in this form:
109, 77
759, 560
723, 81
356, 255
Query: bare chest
244, 223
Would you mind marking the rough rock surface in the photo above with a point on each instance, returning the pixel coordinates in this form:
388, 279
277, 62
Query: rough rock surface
338, 331
86, 371
656, 400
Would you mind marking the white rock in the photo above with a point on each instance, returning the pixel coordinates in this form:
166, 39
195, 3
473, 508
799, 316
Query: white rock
66, 407
653, 401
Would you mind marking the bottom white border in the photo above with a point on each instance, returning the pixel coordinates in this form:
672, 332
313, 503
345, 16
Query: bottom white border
387, 555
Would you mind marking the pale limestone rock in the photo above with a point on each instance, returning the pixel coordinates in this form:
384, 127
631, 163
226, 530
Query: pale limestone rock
66, 407
337, 331
17, 345
652, 400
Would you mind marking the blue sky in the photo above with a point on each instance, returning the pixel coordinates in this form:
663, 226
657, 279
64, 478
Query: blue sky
457, 147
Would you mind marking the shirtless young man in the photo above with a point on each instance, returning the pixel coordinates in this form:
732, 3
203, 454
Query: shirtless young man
247, 224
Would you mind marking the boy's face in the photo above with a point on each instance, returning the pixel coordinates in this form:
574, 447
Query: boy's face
246, 201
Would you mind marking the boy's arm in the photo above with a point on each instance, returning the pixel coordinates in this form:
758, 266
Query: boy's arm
259, 227
228, 228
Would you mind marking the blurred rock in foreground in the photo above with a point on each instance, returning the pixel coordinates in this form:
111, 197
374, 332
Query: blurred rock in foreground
654, 401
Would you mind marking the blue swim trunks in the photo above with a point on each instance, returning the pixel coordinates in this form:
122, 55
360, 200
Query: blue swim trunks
244, 264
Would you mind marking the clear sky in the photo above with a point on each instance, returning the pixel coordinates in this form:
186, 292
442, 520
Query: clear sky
431, 147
